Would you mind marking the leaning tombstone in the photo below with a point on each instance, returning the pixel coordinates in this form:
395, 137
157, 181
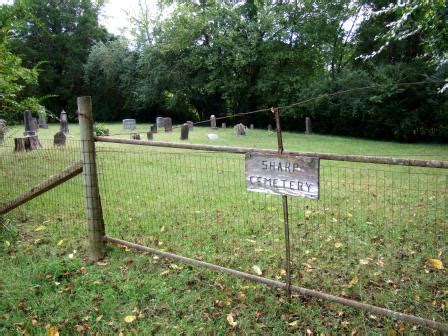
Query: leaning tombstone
223, 125
28, 120
64, 122
213, 121
308, 129
160, 122
184, 132
135, 136
153, 129
59, 139
150, 135
190, 125
129, 124
42, 118
251, 126
168, 124
240, 129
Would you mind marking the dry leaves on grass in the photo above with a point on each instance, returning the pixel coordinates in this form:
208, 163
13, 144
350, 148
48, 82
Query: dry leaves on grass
231, 321
435, 263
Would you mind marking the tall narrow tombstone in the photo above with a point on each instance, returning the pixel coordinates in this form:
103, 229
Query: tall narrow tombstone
129, 124
184, 132
150, 135
168, 124
190, 125
251, 126
160, 122
213, 121
153, 129
308, 129
223, 125
59, 139
42, 118
240, 129
269, 128
64, 122
28, 120
2, 130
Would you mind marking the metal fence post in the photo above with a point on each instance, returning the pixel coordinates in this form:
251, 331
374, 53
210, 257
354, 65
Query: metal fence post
95, 222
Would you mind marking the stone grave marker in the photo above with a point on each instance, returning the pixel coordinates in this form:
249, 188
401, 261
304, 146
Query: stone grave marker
269, 128
160, 122
223, 125
190, 125
150, 135
59, 139
168, 124
28, 120
35, 125
135, 136
213, 121
129, 124
308, 129
42, 118
64, 122
212, 136
184, 131
2, 130
240, 129
251, 126
153, 129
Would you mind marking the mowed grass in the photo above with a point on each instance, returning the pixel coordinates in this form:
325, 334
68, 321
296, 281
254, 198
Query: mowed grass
368, 238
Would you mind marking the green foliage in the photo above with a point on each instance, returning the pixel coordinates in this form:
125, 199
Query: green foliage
100, 129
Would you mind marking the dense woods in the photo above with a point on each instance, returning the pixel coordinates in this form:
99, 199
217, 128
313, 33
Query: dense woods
223, 57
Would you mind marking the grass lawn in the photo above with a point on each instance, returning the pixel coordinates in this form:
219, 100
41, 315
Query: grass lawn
368, 238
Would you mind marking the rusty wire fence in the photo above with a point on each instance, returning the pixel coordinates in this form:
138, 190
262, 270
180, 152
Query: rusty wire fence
368, 238
61, 208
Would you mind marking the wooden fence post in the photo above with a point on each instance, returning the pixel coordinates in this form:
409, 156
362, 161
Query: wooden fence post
95, 222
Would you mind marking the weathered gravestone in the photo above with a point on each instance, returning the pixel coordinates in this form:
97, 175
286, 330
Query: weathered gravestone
190, 125
135, 136
42, 118
35, 125
59, 139
2, 130
150, 135
129, 124
28, 120
251, 126
223, 125
160, 122
308, 129
213, 121
184, 132
153, 129
269, 128
168, 124
240, 129
64, 122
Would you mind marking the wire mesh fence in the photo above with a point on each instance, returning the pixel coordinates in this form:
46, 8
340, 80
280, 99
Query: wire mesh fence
368, 238
62, 207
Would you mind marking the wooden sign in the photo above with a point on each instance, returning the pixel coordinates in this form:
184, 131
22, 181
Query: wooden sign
283, 175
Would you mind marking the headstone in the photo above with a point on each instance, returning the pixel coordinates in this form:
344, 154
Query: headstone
184, 131
129, 124
251, 126
213, 122
150, 135
59, 139
160, 122
308, 129
43, 118
2, 131
135, 136
35, 125
64, 122
153, 129
269, 128
240, 129
3, 122
28, 120
212, 136
223, 125
168, 124
190, 125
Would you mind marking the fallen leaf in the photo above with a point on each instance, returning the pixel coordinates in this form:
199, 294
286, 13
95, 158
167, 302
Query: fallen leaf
435, 263
230, 320
353, 282
7, 243
60, 242
257, 270
165, 272
99, 318
40, 228
129, 318
53, 331
365, 261
293, 324
101, 263
338, 245
349, 214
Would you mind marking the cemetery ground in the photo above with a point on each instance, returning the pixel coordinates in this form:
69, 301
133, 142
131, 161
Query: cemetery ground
190, 203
